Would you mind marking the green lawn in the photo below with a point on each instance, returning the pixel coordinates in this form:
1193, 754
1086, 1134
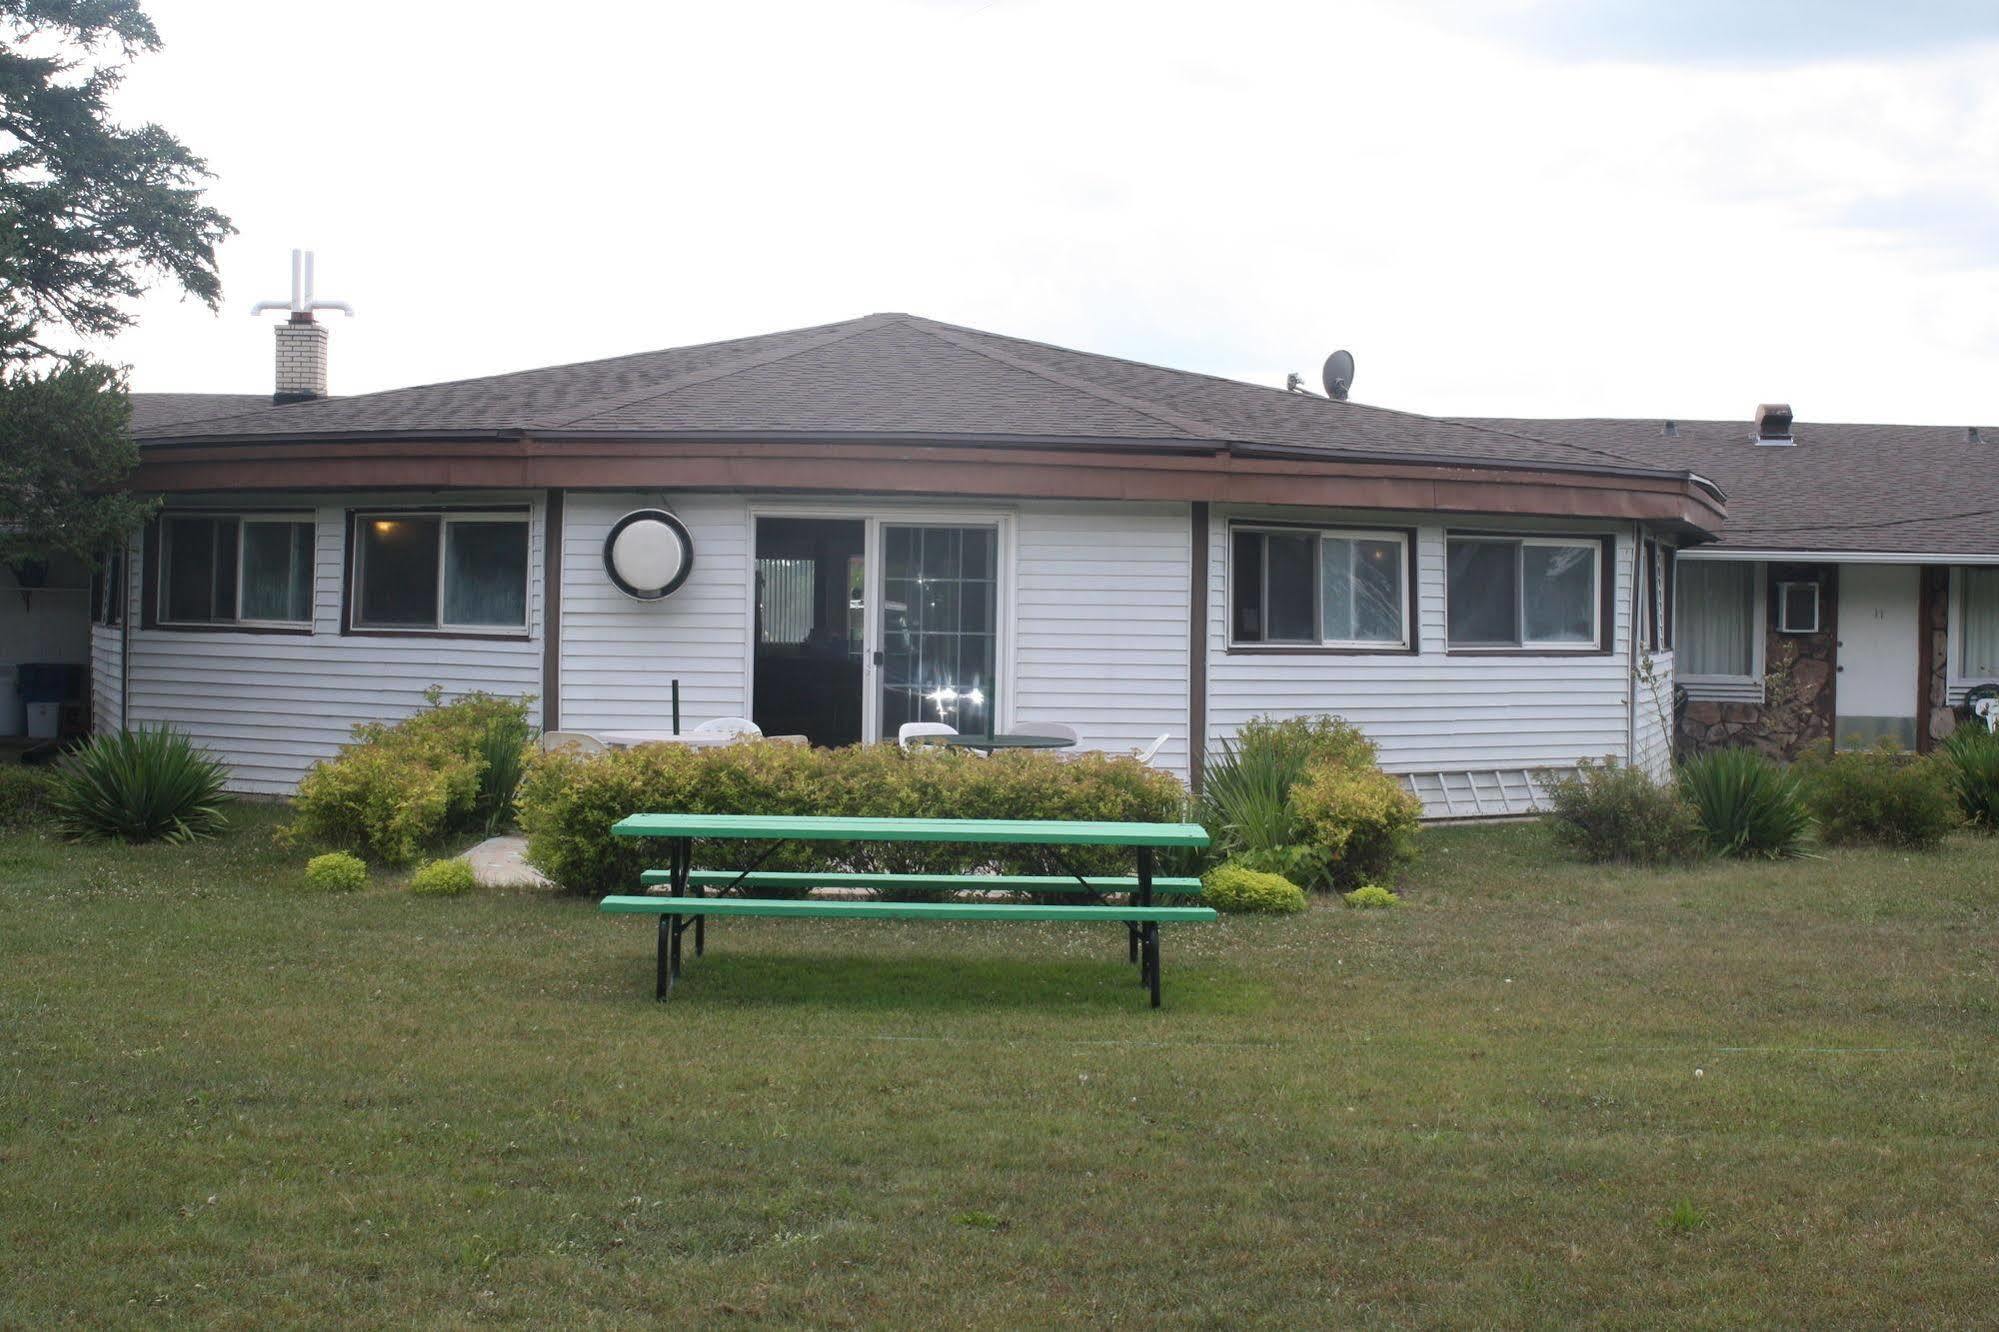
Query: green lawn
1540, 1093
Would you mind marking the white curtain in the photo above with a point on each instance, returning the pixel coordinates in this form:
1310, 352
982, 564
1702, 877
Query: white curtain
1714, 620
1981, 624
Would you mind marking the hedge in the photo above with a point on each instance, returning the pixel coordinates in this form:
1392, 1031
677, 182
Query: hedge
568, 804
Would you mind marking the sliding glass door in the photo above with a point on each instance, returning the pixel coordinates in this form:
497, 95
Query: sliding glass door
939, 626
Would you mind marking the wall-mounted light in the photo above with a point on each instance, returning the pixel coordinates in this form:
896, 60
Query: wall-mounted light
648, 554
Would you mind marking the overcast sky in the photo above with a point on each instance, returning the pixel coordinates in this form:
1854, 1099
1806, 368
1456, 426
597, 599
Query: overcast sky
1569, 207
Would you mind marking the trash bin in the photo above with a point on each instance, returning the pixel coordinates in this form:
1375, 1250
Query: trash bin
44, 687
44, 721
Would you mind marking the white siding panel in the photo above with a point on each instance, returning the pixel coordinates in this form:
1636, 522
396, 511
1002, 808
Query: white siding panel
271, 705
620, 656
107, 692
1434, 712
1101, 623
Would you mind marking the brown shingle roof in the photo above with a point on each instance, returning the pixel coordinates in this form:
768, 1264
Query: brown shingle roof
1862, 488
899, 375
153, 412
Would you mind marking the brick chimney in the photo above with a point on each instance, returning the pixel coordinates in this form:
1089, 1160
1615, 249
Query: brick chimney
301, 359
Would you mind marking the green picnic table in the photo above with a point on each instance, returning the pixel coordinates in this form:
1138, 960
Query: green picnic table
686, 903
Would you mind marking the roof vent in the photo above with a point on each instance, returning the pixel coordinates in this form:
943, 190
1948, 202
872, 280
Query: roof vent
1971, 435
1773, 423
1672, 429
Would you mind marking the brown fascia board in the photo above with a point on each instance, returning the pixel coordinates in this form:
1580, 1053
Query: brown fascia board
1161, 444
1176, 470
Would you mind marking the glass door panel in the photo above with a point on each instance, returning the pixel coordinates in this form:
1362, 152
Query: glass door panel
940, 629
809, 625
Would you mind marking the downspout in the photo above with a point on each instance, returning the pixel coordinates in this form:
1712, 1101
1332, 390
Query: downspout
1638, 577
126, 574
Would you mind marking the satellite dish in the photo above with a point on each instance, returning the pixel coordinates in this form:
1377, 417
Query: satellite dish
648, 554
1339, 375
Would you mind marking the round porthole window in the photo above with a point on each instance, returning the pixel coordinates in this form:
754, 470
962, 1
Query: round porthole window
648, 554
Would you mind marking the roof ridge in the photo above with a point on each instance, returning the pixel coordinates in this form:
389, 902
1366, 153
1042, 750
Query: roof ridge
1461, 423
576, 413
966, 339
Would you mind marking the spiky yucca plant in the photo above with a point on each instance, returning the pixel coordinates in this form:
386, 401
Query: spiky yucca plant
1971, 763
142, 785
1747, 804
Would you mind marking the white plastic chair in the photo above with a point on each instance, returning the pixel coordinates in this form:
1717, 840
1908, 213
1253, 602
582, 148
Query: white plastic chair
729, 726
910, 731
1054, 730
574, 742
1151, 751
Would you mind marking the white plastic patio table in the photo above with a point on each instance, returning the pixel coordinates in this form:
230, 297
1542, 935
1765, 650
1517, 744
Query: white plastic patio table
693, 739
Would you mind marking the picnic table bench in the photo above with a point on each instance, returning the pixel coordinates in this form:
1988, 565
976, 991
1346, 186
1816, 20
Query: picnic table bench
686, 903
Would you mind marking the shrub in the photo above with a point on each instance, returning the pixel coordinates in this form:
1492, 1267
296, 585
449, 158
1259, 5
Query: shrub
1371, 897
1238, 888
399, 788
569, 803
336, 872
1360, 818
1745, 803
140, 786
1251, 808
1608, 813
1879, 795
1970, 762
444, 878
25, 794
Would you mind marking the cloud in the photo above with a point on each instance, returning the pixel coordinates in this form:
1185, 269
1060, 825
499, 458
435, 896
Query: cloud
1744, 32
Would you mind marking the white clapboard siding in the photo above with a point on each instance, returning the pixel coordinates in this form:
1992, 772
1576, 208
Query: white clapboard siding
107, 692
1101, 623
1655, 717
271, 705
620, 656
1433, 713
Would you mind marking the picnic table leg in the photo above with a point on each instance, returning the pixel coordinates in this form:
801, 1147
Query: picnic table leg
1144, 898
683, 864
1152, 959
668, 945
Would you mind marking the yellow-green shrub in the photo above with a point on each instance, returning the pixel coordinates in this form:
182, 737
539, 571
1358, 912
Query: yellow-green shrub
398, 788
568, 805
1360, 817
1371, 896
336, 872
444, 878
1238, 888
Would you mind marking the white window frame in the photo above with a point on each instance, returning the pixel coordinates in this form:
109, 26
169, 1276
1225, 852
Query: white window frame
1784, 586
1736, 688
1406, 575
357, 571
1524, 644
276, 517
1956, 679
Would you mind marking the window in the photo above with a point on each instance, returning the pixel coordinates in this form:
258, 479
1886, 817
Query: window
1797, 608
107, 589
235, 569
1978, 621
1318, 588
435, 571
1656, 595
1717, 621
1538, 592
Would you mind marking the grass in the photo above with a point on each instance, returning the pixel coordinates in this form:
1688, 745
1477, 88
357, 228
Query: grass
1540, 1093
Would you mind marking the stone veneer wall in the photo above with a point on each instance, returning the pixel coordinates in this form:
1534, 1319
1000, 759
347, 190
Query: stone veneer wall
1803, 667
1935, 627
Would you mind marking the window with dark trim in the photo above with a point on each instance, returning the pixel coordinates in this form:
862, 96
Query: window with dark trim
234, 569
107, 589
439, 572
1544, 593
1318, 587
1656, 601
